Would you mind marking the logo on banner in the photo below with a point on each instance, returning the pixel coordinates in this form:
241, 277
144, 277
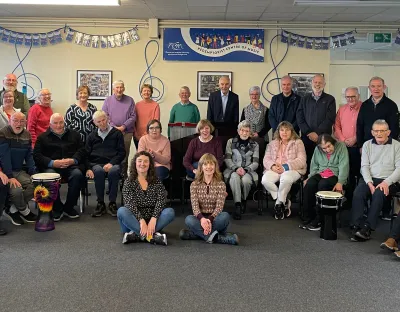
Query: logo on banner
176, 46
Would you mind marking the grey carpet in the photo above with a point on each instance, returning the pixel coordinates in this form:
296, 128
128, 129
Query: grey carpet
82, 266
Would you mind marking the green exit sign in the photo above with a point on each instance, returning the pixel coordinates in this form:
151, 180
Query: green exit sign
383, 38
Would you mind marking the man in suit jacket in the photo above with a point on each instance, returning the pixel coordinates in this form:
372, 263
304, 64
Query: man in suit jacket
223, 105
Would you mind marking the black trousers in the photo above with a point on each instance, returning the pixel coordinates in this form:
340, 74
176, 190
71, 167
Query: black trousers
3, 194
395, 232
315, 184
309, 146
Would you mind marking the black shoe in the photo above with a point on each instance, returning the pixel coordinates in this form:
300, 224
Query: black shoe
353, 237
130, 237
99, 210
3, 232
314, 226
30, 217
57, 216
112, 209
364, 233
244, 206
230, 239
15, 217
187, 235
70, 213
237, 215
159, 239
278, 211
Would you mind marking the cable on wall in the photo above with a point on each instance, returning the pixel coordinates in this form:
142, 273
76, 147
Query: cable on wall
157, 93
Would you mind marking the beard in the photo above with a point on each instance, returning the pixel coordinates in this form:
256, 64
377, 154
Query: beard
10, 88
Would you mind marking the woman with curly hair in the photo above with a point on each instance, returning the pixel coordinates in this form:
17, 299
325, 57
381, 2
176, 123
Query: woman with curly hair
207, 195
144, 213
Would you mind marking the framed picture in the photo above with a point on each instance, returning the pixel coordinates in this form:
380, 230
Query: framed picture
207, 82
302, 82
98, 81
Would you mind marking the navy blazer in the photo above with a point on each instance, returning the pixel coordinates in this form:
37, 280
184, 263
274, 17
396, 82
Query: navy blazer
214, 109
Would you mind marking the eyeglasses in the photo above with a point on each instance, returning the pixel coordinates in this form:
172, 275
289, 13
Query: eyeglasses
18, 121
154, 128
9, 97
45, 94
379, 131
351, 98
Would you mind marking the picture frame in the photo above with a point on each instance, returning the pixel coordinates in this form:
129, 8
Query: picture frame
207, 82
302, 82
98, 81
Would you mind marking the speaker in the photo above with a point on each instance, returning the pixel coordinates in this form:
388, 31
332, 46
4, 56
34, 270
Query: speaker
153, 28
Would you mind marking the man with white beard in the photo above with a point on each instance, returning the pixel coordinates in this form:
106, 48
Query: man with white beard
10, 82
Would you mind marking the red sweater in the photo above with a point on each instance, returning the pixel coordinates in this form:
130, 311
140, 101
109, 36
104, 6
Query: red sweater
38, 120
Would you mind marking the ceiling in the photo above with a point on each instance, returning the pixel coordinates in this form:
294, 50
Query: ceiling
221, 10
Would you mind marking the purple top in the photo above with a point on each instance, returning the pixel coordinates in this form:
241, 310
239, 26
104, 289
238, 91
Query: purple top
120, 112
197, 149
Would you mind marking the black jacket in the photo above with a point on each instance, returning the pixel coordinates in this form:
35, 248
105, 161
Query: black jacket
214, 110
277, 111
111, 150
316, 117
369, 112
50, 147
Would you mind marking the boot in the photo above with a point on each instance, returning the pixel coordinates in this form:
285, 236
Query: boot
237, 215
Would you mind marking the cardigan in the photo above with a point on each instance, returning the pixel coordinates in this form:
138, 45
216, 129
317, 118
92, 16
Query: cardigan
160, 147
144, 204
338, 162
295, 153
207, 198
38, 120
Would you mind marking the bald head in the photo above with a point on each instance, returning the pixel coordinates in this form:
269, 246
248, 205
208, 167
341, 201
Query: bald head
10, 82
224, 84
17, 122
57, 123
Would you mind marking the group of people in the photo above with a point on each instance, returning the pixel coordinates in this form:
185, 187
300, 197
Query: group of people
354, 151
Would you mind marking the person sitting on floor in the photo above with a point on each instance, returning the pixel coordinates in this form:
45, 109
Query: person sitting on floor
394, 237
241, 160
380, 170
329, 172
105, 150
204, 143
16, 154
207, 195
144, 214
285, 161
158, 147
60, 150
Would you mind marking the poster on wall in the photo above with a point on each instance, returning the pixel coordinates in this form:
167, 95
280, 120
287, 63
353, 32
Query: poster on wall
302, 82
213, 45
98, 81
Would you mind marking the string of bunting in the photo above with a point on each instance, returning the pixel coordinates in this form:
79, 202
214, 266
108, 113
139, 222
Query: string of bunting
318, 43
71, 35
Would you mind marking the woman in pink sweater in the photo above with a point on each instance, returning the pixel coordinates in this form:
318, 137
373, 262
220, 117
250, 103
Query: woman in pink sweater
285, 161
146, 110
158, 147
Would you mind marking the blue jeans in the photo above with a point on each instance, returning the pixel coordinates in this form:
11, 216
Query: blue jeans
162, 172
113, 179
128, 221
219, 224
190, 172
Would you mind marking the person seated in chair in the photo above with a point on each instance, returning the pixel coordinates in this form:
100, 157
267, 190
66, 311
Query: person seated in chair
241, 160
16, 154
3, 194
61, 150
329, 172
105, 150
158, 147
285, 161
204, 143
207, 195
144, 214
392, 243
380, 170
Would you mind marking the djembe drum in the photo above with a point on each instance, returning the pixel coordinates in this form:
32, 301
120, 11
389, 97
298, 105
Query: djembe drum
45, 194
329, 203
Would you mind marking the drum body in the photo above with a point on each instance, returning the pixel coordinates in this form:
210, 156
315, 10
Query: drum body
45, 194
328, 204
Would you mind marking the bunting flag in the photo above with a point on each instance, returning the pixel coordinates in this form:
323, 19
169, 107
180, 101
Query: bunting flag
320, 43
70, 35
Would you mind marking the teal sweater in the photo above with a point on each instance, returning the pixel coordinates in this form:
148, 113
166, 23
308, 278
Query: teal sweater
338, 163
184, 113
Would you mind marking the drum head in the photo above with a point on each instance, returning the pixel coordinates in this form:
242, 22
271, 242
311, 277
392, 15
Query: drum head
329, 195
46, 177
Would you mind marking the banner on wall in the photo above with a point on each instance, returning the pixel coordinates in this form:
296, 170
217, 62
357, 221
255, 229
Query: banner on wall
213, 45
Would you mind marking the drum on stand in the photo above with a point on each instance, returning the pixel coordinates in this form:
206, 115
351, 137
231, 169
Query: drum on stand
328, 204
45, 194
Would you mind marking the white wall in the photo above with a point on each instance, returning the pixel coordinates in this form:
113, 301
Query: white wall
57, 65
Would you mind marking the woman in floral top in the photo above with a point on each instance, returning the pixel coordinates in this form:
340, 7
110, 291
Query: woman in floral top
207, 195
144, 196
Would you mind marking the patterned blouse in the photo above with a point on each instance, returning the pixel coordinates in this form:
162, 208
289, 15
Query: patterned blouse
144, 204
207, 198
80, 121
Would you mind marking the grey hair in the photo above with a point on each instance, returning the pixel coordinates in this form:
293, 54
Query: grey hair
224, 77
54, 116
377, 78
381, 122
352, 88
244, 124
287, 77
255, 88
118, 82
99, 113
319, 75
41, 90
185, 88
